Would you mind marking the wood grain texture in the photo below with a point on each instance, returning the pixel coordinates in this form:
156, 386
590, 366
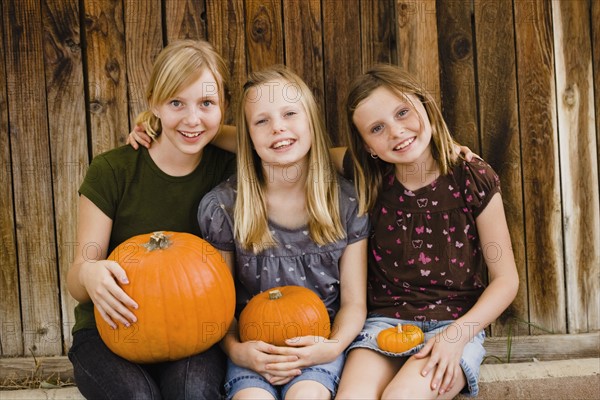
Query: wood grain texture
417, 41
341, 51
539, 144
11, 338
226, 32
459, 101
579, 166
68, 143
32, 178
378, 32
106, 80
264, 33
143, 41
185, 19
499, 127
304, 44
595, 11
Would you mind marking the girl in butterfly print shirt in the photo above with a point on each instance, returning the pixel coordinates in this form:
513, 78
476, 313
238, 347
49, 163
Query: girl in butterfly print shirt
436, 221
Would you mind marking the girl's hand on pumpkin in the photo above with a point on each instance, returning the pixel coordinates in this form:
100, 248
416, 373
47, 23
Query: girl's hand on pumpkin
256, 355
113, 304
309, 350
137, 137
444, 353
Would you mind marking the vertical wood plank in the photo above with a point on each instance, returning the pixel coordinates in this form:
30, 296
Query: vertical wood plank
32, 177
68, 142
500, 137
417, 40
595, 11
457, 71
341, 52
11, 337
107, 86
303, 37
578, 166
264, 35
539, 145
143, 39
185, 19
378, 32
226, 32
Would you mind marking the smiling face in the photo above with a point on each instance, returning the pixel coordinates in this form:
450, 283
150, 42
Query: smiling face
278, 123
191, 118
394, 128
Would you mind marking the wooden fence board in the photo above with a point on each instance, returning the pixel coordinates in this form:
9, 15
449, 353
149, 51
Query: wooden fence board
33, 199
226, 31
67, 127
537, 112
143, 41
264, 33
578, 166
459, 100
342, 63
107, 85
11, 338
417, 41
499, 127
304, 43
378, 32
595, 11
185, 19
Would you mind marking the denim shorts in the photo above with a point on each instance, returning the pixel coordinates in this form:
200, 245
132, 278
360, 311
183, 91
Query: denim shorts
470, 362
239, 378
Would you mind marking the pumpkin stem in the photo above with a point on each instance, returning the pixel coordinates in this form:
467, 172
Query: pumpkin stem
399, 328
158, 240
275, 294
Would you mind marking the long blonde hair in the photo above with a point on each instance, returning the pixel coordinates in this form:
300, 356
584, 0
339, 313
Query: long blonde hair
179, 64
369, 172
322, 197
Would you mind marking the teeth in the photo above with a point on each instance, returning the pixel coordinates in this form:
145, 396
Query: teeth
404, 144
190, 134
282, 144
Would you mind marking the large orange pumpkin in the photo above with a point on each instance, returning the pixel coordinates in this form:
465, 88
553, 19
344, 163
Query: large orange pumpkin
185, 294
283, 313
401, 338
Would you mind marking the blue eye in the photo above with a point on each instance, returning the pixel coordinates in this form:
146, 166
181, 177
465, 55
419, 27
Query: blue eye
377, 129
175, 103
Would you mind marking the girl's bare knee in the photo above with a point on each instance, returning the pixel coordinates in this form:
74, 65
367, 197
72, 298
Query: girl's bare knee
307, 390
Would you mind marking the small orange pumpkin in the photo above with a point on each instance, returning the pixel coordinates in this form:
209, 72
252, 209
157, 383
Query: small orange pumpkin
185, 294
283, 313
400, 338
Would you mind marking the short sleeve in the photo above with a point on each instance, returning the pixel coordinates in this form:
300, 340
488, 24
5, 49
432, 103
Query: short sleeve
100, 186
215, 217
481, 184
357, 227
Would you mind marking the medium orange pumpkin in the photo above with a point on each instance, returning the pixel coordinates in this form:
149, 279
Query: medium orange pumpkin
185, 294
400, 338
283, 313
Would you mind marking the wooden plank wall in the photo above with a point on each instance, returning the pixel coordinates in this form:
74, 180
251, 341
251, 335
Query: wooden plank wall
518, 80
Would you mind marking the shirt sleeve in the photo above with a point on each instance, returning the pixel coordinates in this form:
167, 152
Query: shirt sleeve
215, 219
481, 184
100, 186
357, 227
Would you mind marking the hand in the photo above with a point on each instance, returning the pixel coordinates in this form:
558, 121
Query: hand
113, 304
444, 357
256, 355
308, 350
466, 153
137, 137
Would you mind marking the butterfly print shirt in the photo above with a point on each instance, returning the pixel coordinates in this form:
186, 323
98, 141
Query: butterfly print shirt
425, 260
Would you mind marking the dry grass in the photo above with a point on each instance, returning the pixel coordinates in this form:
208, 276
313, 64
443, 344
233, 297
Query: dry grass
35, 382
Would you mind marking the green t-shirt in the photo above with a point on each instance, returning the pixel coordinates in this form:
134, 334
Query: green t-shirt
130, 189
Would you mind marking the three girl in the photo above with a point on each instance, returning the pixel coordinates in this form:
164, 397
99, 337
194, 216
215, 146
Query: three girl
436, 221
287, 219
126, 193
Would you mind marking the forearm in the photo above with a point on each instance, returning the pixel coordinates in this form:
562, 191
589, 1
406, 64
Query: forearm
348, 323
74, 284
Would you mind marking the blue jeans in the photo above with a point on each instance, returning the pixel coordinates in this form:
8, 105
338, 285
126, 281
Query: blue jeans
101, 374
